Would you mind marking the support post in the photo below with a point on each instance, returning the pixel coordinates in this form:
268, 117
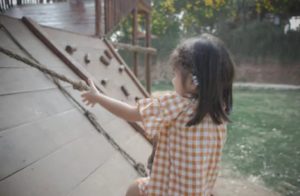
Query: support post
148, 57
98, 4
134, 41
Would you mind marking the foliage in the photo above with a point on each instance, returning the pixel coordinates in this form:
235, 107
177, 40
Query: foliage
243, 25
192, 15
262, 41
285, 8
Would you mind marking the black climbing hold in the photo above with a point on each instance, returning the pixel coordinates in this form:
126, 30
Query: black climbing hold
70, 49
125, 91
121, 68
104, 61
87, 59
107, 53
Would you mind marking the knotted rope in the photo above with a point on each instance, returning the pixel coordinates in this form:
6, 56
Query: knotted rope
78, 85
81, 86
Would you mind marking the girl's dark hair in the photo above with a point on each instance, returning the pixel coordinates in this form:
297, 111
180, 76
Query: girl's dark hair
207, 58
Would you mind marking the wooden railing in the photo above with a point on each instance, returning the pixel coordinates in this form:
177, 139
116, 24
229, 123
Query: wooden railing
7, 4
116, 10
112, 12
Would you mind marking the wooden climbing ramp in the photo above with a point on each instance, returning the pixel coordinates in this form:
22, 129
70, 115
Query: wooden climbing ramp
48, 146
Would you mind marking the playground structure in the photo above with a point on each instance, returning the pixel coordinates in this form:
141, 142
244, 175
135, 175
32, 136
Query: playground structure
50, 143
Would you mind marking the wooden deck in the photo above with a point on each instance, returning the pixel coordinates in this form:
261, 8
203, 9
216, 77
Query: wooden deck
75, 15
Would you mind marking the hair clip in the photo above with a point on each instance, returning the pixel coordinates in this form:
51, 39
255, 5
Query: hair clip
195, 80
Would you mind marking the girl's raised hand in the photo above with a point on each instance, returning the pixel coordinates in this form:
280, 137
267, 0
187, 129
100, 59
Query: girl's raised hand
91, 97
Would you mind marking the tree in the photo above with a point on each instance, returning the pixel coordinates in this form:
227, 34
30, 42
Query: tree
283, 8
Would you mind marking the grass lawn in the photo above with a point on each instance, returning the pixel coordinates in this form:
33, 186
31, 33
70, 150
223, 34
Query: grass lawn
263, 142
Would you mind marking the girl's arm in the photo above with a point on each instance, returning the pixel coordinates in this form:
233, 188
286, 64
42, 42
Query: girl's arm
120, 109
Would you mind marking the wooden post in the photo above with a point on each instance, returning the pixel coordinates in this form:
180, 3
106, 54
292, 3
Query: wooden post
98, 4
148, 57
108, 15
134, 41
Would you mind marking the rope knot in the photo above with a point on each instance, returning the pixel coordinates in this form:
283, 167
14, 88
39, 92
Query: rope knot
81, 86
141, 169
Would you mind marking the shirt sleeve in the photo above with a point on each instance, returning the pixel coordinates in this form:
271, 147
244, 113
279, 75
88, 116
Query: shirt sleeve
157, 113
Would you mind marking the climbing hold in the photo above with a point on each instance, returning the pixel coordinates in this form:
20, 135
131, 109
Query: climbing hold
121, 68
107, 53
104, 82
125, 91
70, 49
137, 99
87, 59
104, 61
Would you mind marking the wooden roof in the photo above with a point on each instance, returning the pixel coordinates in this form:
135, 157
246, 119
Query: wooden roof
47, 145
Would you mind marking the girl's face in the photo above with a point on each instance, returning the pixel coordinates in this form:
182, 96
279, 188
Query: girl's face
184, 88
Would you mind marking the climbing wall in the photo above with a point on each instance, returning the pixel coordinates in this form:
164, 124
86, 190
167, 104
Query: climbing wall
101, 60
47, 145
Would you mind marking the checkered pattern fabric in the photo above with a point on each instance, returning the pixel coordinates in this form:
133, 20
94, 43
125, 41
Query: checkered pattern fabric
187, 158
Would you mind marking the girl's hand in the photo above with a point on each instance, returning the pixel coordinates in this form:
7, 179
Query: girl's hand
92, 96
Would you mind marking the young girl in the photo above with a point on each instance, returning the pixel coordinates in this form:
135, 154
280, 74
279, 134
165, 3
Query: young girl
190, 123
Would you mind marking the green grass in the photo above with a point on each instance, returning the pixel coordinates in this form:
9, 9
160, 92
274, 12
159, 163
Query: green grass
264, 138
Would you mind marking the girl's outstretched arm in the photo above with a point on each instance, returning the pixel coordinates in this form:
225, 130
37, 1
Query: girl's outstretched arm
120, 109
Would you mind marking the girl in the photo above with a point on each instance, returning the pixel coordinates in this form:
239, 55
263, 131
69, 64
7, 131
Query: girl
190, 123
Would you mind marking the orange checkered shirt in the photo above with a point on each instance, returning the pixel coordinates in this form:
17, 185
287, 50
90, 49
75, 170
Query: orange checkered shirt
187, 158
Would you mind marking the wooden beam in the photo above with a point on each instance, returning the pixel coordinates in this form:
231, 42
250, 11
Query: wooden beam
134, 41
135, 48
98, 4
148, 57
144, 6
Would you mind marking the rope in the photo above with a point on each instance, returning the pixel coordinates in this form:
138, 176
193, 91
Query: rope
78, 85
139, 167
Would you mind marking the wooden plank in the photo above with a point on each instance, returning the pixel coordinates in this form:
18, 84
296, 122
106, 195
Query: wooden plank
19, 109
129, 140
8, 62
62, 38
30, 42
103, 116
107, 180
17, 80
23, 145
126, 137
60, 172
44, 9
8, 43
135, 48
79, 16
